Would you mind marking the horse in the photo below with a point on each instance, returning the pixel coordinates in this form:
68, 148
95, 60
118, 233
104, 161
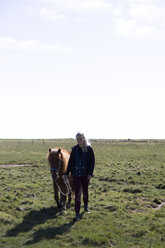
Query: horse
58, 160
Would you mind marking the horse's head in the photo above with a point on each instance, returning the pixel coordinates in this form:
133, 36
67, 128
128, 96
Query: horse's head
55, 161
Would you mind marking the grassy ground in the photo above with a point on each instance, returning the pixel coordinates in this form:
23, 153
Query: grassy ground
126, 197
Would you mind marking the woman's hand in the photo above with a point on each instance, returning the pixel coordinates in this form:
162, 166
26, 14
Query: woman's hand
89, 177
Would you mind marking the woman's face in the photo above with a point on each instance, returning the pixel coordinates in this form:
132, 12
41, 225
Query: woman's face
80, 140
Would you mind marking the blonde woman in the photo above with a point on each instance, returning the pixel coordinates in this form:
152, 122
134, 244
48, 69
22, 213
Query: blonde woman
81, 165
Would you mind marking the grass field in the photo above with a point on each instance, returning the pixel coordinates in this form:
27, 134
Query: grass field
127, 196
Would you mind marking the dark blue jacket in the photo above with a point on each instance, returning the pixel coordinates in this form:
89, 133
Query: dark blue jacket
81, 163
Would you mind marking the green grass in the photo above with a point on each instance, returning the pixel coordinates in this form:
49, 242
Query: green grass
124, 197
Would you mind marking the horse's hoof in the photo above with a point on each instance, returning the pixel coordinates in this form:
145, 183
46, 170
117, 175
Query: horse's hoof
63, 212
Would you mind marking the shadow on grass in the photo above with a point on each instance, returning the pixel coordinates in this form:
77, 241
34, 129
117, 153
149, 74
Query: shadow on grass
51, 232
33, 218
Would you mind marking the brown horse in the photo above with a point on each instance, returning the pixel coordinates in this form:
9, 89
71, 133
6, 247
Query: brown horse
58, 161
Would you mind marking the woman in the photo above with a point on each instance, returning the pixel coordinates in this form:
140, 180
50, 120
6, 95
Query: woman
81, 165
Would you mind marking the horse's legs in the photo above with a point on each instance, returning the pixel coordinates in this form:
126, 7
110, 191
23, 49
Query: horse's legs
56, 198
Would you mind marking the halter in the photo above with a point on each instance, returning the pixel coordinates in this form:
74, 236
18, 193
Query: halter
57, 170
53, 169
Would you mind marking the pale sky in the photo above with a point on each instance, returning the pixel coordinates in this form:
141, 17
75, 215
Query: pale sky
95, 66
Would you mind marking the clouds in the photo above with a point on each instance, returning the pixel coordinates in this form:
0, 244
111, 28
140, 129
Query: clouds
130, 18
47, 13
80, 5
30, 45
59, 10
139, 19
145, 11
130, 28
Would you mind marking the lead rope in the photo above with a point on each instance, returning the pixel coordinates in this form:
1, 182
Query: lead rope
66, 182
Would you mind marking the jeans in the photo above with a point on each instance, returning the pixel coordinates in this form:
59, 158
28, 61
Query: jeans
80, 184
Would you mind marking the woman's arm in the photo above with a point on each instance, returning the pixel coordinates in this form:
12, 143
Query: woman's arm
91, 162
70, 162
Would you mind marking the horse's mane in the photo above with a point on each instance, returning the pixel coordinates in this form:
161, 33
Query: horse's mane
55, 150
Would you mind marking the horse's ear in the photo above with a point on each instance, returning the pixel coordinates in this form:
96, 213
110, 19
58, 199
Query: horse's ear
50, 150
59, 150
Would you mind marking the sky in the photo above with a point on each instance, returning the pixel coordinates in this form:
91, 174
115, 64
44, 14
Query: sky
94, 66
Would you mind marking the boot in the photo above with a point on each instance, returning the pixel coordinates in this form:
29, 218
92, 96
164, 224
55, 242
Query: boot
77, 217
86, 209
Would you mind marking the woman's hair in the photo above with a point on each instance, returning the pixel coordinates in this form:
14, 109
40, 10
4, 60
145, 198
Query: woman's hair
86, 141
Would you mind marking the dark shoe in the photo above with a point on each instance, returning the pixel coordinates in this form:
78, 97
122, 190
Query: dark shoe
76, 218
86, 210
